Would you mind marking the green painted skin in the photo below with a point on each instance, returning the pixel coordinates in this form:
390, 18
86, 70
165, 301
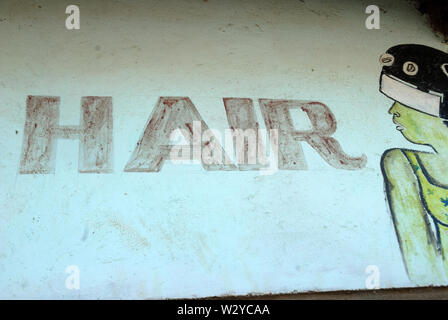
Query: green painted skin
417, 191
435, 197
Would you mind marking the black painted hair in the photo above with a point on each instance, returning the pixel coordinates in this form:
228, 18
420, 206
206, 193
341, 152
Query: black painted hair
421, 66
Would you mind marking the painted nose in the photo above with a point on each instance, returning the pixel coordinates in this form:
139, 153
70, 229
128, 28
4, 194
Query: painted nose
394, 110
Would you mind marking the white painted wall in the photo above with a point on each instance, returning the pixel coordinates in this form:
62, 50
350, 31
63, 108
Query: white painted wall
185, 232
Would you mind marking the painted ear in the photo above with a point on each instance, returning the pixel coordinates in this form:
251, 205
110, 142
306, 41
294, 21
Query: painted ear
387, 59
445, 68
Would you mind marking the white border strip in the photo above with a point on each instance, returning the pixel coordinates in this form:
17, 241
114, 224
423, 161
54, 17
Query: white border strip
409, 96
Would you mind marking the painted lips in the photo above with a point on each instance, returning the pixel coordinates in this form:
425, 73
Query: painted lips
399, 126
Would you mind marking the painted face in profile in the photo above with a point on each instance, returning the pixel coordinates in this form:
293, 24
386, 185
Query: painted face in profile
416, 126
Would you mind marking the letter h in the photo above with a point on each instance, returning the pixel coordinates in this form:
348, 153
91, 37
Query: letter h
42, 130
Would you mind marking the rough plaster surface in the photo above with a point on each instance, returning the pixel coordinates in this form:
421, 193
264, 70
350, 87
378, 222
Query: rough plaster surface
183, 231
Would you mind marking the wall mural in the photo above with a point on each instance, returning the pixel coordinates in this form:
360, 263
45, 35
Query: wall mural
416, 182
414, 76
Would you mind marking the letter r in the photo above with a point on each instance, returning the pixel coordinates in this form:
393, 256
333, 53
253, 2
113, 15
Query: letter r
277, 116
42, 130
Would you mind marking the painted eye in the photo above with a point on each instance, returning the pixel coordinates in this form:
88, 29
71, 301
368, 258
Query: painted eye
445, 68
387, 59
410, 68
